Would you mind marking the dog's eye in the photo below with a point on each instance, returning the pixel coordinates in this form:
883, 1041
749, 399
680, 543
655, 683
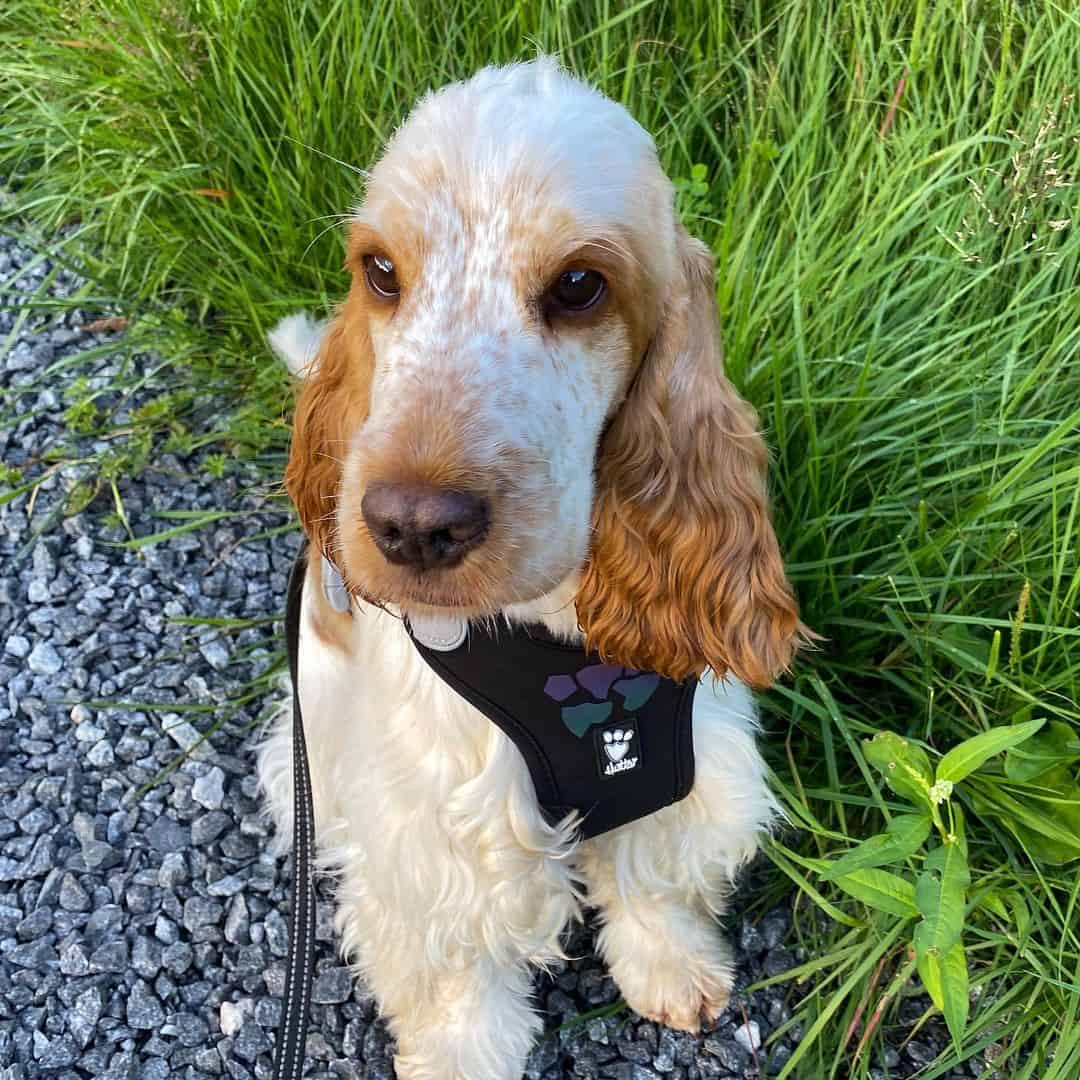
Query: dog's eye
381, 276
578, 289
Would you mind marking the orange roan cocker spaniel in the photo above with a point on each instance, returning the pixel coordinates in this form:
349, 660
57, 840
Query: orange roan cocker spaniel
542, 577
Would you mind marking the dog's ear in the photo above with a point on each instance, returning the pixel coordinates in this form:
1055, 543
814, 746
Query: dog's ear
685, 571
333, 402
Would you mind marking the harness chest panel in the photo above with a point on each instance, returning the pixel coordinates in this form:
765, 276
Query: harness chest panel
613, 743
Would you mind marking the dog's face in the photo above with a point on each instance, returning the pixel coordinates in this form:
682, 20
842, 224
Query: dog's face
523, 385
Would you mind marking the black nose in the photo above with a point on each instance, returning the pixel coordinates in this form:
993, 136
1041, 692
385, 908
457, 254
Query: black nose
424, 527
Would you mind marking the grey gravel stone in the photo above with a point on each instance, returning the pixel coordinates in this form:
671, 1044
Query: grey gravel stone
237, 921
920, 1052
227, 886
35, 925
208, 827
664, 1062
177, 958
17, 645
748, 1035
250, 1041
277, 933
59, 1053
209, 789
83, 1018
168, 836
216, 654
174, 870
200, 911
44, 659
190, 1029
334, 985
730, 1054
112, 956
144, 1012
34, 956
74, 960
73, 897
146, 957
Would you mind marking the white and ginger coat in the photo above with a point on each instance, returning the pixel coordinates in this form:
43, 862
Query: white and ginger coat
624, 484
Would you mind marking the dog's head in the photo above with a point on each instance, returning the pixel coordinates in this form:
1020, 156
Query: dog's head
524, 386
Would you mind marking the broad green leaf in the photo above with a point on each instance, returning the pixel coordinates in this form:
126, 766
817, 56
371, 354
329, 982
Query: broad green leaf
1046, 849
904, 765
1057, 744
1049, 831
906, 833
939, 893
1021, 914
909, 831
964, 759
963, 646
881, 890
945, 976
991, 901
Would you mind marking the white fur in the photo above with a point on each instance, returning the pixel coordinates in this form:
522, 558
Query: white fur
451, 885
296, 341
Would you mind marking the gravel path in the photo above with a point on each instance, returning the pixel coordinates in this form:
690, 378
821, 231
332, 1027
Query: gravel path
144, 936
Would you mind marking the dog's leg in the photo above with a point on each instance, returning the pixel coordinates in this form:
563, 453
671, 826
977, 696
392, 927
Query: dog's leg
475, 1024
451, 889
659, 882
665, 952
452, 972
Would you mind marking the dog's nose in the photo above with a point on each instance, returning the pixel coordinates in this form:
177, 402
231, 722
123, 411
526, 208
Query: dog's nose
424, 527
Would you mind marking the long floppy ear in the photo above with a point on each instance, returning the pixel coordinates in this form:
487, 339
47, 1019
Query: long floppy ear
685, 571
333, 402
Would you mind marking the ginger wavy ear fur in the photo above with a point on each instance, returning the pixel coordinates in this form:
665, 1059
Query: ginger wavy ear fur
333, 401
685, 570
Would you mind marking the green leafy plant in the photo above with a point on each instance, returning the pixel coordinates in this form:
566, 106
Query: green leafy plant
692, 192
937, 895
82, 416
215, 465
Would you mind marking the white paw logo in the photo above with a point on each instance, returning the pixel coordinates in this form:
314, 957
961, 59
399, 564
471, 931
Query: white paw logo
617, 743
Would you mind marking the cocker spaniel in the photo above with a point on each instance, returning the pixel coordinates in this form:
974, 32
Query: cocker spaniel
518, 417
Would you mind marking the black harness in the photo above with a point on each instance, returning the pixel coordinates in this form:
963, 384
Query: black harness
609, 742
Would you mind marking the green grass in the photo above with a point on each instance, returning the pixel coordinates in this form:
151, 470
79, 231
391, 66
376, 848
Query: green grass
898, 290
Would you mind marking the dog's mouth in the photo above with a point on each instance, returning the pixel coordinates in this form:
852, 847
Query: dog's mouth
437, 592
473, 589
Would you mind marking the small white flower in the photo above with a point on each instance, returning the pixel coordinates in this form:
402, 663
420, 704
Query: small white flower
940, 791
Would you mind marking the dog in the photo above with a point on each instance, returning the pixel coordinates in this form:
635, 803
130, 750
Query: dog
518, 416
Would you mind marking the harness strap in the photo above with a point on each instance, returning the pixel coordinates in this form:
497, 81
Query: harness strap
292, 1032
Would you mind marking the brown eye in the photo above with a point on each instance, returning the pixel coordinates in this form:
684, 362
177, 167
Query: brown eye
578, 289
381, 276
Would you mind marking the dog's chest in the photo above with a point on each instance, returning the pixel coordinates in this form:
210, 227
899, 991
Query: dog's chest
388, 730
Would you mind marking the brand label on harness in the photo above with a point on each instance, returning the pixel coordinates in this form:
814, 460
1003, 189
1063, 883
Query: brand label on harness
618, 748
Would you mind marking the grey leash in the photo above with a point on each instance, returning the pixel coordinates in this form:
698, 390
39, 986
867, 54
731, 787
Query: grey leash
292, 1032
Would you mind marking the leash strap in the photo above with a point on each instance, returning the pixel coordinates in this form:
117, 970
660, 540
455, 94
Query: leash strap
292, 1032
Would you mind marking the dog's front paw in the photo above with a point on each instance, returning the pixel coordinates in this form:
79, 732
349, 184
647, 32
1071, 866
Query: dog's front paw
460, 1058
473, 1028
680, 977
